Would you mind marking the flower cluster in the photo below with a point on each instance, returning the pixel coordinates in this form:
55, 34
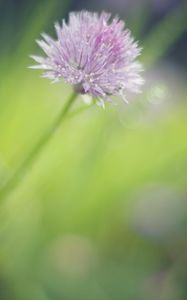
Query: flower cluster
95, 55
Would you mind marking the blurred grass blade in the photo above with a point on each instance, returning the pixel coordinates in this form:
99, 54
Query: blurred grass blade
137, 20
44, 13
164, 35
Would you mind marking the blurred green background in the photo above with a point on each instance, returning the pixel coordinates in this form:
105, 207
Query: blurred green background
102, 214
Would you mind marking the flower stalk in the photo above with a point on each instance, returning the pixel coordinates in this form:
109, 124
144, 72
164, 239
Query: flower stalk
14, 180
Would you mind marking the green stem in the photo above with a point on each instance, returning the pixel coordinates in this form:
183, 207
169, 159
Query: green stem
11, 183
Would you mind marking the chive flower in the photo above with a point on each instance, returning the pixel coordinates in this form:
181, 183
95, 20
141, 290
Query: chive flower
93, 53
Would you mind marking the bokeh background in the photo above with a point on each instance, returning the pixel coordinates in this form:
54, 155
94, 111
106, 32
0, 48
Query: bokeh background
102, 214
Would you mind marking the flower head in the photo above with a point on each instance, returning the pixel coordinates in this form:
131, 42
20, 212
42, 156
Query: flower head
97, 56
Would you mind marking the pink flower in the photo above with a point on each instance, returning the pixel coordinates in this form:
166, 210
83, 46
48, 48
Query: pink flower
95, 55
